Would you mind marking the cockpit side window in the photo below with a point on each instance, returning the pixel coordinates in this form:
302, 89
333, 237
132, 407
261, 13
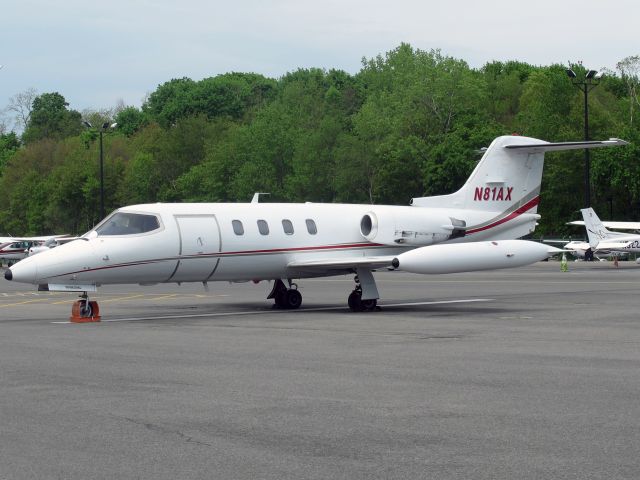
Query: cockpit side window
123, 223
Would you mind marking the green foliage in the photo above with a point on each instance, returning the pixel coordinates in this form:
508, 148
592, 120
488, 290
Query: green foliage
50, 118
408, 124
231, 95
130, 120
9, 144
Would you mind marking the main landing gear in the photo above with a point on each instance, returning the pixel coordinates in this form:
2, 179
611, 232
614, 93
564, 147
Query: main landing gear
286, 298
85, 310
363, 298
357, 303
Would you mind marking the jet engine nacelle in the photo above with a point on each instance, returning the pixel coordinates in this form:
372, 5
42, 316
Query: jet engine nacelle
469, 257
410, 226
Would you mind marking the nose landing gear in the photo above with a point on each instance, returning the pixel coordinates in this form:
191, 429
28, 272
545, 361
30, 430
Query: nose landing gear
85, 310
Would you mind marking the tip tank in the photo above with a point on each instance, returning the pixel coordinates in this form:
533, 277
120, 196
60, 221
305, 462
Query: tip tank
473, 256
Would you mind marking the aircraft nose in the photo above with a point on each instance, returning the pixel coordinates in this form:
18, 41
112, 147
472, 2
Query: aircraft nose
25, 271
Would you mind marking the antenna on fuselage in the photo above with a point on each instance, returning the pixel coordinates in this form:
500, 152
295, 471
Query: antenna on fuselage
256, 196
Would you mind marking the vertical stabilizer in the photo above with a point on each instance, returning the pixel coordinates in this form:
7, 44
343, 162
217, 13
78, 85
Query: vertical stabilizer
504, 179
508, 177
596, 231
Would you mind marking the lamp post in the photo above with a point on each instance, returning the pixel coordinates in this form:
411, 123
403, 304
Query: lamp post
590, 81
105, 126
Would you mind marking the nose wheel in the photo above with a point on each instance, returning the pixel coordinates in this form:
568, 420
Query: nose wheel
85, 310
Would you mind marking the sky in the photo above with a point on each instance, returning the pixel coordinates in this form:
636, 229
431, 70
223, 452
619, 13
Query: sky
97, 54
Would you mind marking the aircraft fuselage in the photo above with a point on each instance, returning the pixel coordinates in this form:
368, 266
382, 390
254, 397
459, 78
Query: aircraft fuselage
239, 242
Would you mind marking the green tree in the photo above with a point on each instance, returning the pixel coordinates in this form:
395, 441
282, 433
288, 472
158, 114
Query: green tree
9, 144
50, 118
231, 95
130, 120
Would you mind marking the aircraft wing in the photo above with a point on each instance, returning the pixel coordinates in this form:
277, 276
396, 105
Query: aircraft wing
341, 264
65, 239
612, 245
30, 239
614, 225
550, 147
559, 241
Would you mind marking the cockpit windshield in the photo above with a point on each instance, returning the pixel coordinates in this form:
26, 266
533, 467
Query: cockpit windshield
124, 223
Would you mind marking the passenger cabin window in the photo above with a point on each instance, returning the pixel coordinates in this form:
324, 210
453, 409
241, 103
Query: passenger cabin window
287, 226
311, 226
263, 227
122, 223
238, 229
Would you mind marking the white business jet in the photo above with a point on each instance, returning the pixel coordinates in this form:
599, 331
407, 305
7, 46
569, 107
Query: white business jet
603, 240
471, 229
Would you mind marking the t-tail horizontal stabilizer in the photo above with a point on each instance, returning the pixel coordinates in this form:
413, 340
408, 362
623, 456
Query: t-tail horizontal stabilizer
507, 179
559, 146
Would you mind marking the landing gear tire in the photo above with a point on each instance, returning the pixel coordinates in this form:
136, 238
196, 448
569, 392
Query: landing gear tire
85, 310
292, 299
286, 298
355, 301
369, 305
356, 304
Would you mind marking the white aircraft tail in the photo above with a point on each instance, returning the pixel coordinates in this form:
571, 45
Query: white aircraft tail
596, 231
507, 179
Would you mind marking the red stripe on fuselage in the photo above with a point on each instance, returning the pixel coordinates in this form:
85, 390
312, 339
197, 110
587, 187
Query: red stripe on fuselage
232, 254
516, 213
301, 249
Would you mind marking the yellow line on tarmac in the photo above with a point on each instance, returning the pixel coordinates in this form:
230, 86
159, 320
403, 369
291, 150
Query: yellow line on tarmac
69, 300
120, 299
162, 297
22, 303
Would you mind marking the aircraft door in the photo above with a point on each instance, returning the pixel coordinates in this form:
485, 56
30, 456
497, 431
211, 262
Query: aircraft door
198, 249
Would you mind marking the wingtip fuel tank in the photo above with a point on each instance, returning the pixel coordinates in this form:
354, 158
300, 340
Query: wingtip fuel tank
456, 258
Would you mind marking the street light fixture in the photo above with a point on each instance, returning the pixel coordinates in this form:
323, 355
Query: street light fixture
104, 127
590, 81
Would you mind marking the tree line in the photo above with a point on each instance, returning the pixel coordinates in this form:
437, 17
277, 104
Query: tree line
409, 123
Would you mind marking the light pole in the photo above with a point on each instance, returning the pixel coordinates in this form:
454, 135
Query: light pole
590, 81
105, 126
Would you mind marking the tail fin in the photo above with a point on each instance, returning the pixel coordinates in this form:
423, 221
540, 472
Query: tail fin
596, 231
508, 177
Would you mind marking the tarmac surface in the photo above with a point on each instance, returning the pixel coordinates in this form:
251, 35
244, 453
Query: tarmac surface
516, 374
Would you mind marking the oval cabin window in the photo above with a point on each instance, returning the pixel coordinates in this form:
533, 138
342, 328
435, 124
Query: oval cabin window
287, 226
238, 229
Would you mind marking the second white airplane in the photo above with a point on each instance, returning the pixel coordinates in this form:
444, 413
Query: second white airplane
471, 229
603, 240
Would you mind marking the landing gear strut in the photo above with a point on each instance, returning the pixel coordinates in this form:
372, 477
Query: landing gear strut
285, 298
85, 310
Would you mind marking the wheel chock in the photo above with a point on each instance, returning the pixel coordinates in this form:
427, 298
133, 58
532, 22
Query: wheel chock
77, 312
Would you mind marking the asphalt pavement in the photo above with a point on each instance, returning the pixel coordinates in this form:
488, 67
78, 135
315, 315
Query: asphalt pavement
527, 373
